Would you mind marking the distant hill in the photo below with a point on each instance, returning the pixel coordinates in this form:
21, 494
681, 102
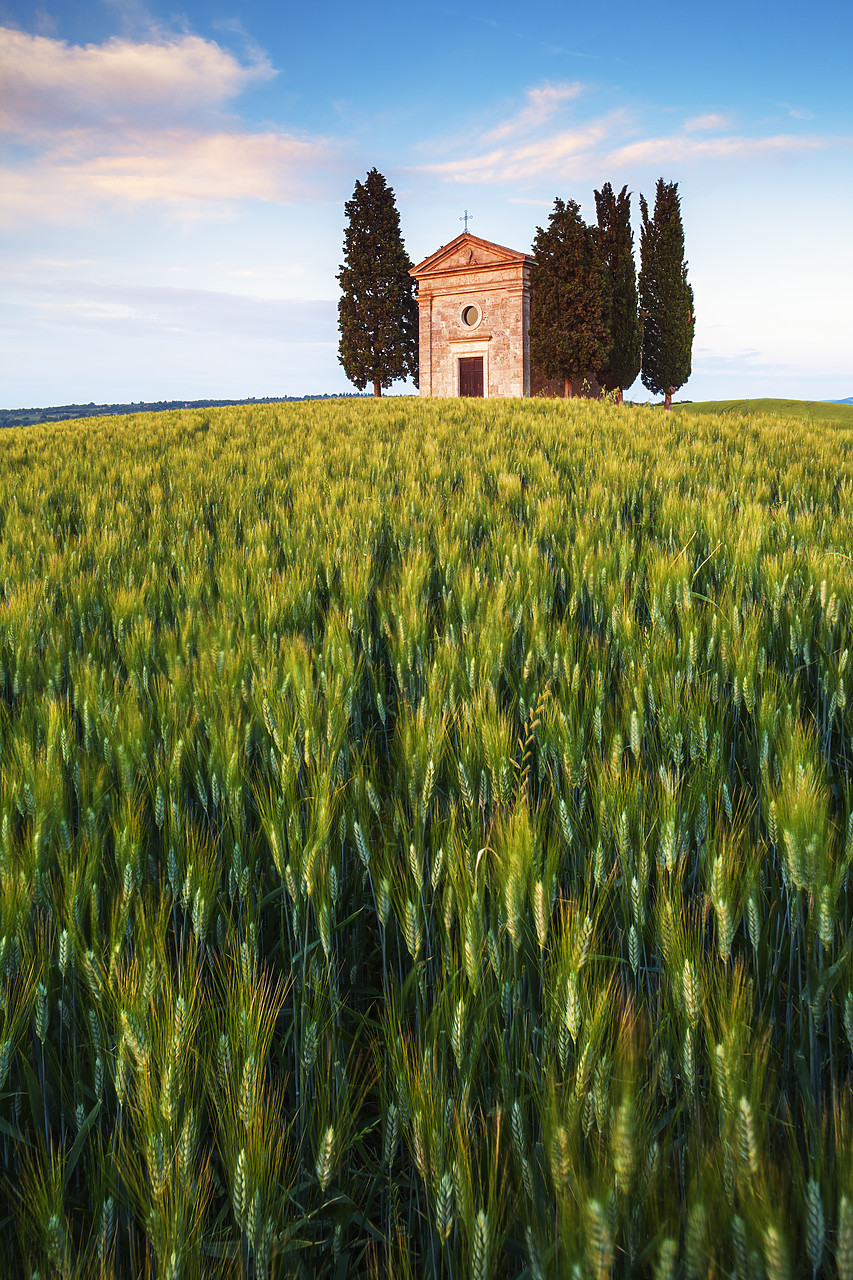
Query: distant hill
62, 412
839, 412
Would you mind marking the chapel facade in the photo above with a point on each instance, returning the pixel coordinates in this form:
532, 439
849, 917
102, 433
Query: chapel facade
474, 316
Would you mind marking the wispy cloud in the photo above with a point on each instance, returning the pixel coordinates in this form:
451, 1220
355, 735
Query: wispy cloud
157, 310
797, 113
684, 150
542, 104
525, 161
530, 148
542, 204
713, 120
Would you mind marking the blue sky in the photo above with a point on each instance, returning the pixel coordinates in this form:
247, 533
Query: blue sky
172, 185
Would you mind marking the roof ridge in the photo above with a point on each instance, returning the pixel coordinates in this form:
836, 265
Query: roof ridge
467, 237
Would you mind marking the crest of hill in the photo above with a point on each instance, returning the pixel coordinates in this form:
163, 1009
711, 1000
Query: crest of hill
828, 411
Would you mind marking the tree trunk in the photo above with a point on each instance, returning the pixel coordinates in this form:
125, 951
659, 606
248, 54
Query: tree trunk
667, 401
568, 389
377, 390
618, 395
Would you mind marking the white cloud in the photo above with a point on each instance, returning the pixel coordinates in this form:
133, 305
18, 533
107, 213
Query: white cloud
49, 84
127, 123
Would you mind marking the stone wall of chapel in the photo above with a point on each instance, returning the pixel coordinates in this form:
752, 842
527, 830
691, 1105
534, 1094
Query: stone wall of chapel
500, 337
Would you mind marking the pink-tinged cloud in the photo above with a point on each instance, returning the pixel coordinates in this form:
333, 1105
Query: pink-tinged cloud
713, 120
687, 149
532, 160
124, 125
192, 172
589, 149
50, 85
529, 146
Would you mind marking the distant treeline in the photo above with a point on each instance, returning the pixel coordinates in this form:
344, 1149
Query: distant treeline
61, 412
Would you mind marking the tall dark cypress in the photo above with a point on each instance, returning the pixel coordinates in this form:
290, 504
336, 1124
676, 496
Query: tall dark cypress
378, 310
666, 299
624, 327
568, 337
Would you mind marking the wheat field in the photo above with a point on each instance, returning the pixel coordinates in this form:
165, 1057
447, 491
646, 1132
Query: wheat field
425, 844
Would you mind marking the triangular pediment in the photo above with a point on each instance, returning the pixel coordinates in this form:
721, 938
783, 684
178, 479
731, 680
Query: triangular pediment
468, 253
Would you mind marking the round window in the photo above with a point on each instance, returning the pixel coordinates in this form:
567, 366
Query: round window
470, 316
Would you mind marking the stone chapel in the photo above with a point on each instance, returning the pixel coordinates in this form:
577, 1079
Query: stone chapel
474, 314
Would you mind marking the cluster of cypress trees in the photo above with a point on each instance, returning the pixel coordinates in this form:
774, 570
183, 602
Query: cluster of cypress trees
587, 315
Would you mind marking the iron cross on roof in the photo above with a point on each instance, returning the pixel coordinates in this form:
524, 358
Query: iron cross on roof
466, 217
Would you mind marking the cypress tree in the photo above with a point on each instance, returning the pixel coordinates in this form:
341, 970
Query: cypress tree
625, 329
568, 337
378, 311
666, 299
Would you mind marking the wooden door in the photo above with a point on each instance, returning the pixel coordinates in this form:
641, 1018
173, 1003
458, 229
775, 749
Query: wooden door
471, 376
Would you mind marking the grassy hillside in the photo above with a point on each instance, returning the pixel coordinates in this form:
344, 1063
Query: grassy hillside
425, 837
797, 410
